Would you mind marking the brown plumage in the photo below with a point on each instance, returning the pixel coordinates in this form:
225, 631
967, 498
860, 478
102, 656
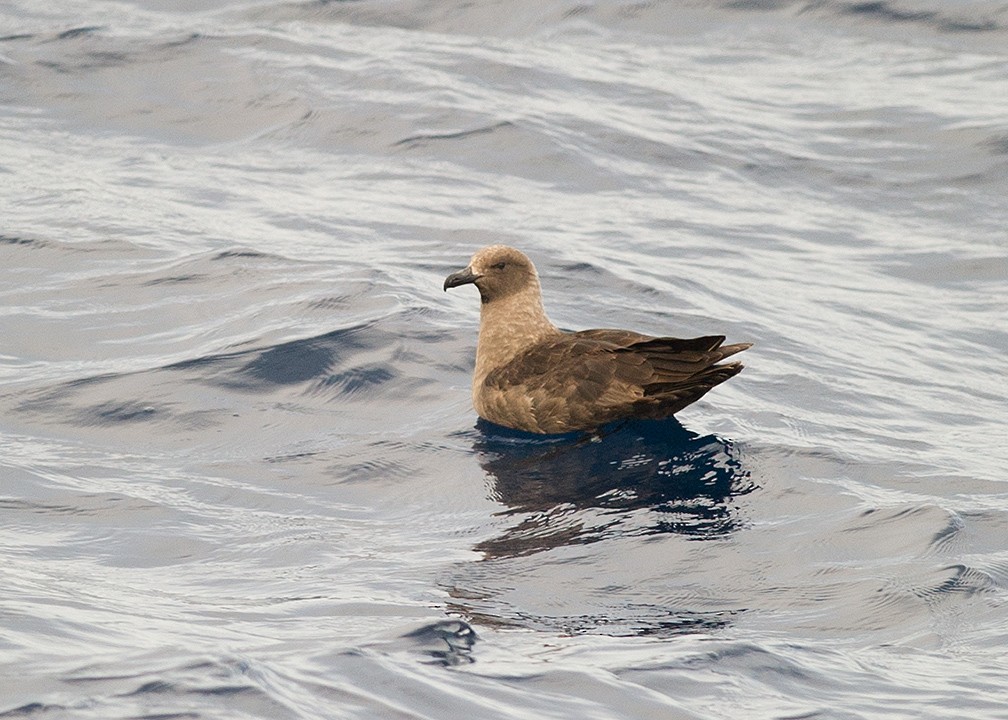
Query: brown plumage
534, 377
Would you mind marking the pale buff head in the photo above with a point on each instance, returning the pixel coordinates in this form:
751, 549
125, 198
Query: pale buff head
498, 271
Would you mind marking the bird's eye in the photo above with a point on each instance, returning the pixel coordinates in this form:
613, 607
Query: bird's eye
499, 266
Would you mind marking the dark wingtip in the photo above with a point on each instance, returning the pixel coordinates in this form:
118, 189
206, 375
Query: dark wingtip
729, 350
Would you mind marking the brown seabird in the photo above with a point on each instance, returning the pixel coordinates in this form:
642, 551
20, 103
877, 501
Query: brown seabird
532, 376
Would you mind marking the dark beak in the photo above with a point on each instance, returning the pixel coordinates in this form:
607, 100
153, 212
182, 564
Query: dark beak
462, 277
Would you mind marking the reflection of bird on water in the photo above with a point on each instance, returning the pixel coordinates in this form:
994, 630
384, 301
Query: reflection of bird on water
638, 478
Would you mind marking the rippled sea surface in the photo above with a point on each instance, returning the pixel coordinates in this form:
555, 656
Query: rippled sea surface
240, 476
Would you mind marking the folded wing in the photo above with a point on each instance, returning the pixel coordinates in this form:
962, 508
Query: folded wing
596, 376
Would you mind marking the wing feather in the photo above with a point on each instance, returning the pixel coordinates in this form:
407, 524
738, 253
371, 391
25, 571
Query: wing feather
592, 377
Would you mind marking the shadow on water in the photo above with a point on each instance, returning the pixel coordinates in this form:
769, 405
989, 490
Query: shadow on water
631, 478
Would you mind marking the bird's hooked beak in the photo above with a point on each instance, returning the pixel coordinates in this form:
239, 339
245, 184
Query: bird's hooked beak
462, 277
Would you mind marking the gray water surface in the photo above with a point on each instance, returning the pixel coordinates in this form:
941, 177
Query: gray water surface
240, 476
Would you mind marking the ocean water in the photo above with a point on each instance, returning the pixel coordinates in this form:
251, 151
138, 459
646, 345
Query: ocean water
240, 476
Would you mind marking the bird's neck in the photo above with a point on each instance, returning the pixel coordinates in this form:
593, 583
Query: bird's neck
508, 327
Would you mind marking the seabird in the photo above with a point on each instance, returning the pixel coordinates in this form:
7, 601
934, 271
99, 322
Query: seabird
532, 376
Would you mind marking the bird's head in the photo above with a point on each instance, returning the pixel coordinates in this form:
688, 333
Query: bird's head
498, 271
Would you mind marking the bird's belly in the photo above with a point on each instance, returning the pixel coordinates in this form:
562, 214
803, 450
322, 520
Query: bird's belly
519, 409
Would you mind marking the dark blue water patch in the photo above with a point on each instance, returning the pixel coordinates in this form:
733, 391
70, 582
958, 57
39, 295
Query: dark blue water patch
90, 505
239, 253
59, 402
633, 620
175, 279
685, 622
20, 240
188, 39
962, 580
645, 621
225, 690
333, 302
578, 268
359, 379
154, 686
997, 145
888, 12
107, 59
949, 534
882, 11
447, 642
228, 686
117, 412
36, 710
288, 363
91, 380
78, 31
964, 26
351, 361
632, 478
293, 362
